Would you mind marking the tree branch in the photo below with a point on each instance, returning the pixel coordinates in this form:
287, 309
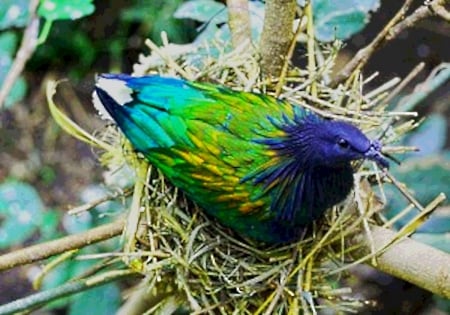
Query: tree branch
415, 262
389, 32
422, 12
239, 22
38, 252
26, 50
277, 35
41, 298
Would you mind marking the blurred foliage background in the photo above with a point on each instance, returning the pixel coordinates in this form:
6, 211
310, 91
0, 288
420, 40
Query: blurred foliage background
43, 171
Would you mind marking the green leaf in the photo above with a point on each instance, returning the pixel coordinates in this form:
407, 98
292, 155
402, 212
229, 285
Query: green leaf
442, 304
49, 226
203, 11
8, 44
425, 177
17, 92
76, 224
214, 17
58, 276
13, 13
65, 9
61, 274
256, 9
140, 11
430, 137
21, 212
341, 19
439, 241
104, 300
208, 33
157, 16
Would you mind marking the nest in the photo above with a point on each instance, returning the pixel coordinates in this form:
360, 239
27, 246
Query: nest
190, 261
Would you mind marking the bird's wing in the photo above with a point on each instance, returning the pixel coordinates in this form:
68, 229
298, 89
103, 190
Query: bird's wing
201, 136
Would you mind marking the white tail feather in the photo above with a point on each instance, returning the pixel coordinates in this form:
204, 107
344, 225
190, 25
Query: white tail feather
115, 88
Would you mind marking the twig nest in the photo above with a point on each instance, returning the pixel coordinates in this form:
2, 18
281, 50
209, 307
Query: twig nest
208, 268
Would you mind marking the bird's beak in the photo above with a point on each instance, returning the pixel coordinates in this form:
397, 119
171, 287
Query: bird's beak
374, 154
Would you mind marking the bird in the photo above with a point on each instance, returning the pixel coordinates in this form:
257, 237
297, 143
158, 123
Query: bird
259, 165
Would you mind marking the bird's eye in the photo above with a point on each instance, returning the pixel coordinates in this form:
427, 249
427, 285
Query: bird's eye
343, 143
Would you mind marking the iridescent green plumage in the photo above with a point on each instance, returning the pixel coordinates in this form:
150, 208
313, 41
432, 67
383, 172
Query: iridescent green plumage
233, 153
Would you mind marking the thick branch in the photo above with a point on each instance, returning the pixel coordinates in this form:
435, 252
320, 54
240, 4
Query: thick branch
42, 251
277, 35
415, 262
239, 22
391, 30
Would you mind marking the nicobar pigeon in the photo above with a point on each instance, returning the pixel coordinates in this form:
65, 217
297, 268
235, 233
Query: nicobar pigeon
259, 165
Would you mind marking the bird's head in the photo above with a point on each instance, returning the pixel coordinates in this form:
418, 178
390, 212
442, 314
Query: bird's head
334, 142
338, 142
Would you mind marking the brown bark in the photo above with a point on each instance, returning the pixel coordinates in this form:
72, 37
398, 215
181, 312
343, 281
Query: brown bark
277, 35
38, 252
239, 22
415, 262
